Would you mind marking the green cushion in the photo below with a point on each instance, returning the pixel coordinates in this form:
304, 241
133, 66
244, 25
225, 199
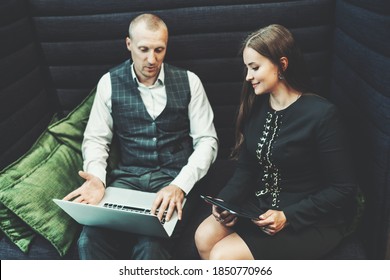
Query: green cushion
16, 230
20, 233
47, 171
70, 129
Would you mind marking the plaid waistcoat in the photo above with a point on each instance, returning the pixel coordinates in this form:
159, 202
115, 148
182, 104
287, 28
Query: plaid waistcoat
146, 144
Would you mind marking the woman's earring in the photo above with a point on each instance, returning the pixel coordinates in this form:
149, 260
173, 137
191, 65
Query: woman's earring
280, 76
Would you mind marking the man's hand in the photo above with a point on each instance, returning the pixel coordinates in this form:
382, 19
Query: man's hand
271, 221
170, 197
91, 192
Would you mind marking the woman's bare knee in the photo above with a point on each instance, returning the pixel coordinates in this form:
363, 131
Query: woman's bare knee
232, 247
208, 234
200, 236
203, 239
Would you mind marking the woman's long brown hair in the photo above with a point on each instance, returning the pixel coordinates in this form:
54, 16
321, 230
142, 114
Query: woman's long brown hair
273, 42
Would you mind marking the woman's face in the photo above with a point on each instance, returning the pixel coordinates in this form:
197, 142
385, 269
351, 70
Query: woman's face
261, 72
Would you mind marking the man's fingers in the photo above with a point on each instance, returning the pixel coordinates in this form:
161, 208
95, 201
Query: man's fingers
171, 209
79, 199
161, 204
84, 175
161, 210
156, 204
168, 199
179, 208
71, 195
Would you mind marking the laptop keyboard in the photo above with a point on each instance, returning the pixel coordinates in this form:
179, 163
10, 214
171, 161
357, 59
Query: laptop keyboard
132, 209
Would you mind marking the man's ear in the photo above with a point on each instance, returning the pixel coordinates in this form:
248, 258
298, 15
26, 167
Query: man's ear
283, 62
128, 43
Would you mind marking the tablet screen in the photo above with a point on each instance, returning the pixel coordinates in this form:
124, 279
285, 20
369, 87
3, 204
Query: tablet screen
234, 209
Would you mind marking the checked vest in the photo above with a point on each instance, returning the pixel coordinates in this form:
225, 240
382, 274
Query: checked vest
145, 144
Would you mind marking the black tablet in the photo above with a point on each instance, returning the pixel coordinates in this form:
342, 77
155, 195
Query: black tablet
234, 209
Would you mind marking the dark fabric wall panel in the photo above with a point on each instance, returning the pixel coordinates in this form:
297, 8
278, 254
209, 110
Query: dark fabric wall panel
367, 111
24, 102
77, 76
372, 165
11, 11
209, 70
358, 127
180, 47
68, 97
378, 196
226, 93
372, 104
81, 40
224, 120
85, 52
361, 86
20, 122
18, 64
225, 116
377, 6
20, 93
15, 36
86, 7
353, 15
368, 64
209, 19
25, 141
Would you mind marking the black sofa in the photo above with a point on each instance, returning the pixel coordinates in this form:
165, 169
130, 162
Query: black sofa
53, 52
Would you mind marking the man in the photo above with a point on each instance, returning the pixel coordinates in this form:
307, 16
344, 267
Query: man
164, 125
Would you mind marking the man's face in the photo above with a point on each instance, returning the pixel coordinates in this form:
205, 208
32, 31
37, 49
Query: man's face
148, 50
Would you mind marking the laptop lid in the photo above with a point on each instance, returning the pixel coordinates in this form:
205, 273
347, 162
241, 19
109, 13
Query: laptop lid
121, 209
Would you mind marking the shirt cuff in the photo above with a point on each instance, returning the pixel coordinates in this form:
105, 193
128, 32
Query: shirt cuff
98, 172
185, 181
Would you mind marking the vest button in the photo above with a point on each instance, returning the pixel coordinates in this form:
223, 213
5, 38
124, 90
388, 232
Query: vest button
154, 139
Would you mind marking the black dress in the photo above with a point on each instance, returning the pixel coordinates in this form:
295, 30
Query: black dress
294, 160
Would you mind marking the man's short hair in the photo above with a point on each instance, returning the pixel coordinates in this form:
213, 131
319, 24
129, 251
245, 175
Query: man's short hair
151, 21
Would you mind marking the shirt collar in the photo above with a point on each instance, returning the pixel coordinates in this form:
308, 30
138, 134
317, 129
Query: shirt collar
160, 79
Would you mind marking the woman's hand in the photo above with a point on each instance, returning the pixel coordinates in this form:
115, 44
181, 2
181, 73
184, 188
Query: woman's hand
271, 221
224, 217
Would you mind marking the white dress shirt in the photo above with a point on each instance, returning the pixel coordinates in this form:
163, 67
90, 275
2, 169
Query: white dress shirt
99, 131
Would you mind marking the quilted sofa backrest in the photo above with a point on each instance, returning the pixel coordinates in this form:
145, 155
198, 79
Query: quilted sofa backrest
360, 85
26, 104
81, 40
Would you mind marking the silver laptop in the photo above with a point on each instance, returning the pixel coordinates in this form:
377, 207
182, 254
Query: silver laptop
121, 209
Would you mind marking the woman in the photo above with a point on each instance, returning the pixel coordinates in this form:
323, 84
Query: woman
293, 168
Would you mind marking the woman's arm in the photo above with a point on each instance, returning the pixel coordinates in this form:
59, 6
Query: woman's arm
339, 179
